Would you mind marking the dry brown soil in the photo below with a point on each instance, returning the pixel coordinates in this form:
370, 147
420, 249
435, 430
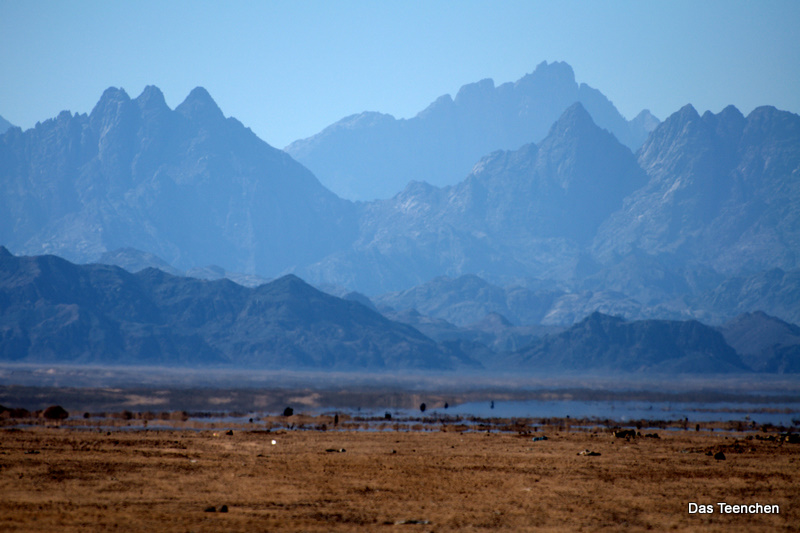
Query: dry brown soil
61, 479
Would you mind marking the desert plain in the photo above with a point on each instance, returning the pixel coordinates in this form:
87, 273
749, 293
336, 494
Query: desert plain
119, 472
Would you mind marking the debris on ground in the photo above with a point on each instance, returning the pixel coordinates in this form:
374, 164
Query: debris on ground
589, 453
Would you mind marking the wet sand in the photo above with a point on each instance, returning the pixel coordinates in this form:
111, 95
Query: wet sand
426, 476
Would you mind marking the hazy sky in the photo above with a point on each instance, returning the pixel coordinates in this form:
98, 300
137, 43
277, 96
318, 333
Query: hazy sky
287, 69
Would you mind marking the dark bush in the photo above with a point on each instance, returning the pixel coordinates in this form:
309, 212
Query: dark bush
288, 411
55, 412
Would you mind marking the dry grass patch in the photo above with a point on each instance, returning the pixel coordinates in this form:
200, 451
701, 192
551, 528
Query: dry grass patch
77, 480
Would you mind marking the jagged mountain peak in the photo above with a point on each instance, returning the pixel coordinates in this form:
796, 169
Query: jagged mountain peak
184, 184
685, 114
111, 103
474, 93
727, 124
720, 191
200, 107
113, 94
574, 120
767, 122
682, 128
450, 135
647, 119
558, 71
152, 98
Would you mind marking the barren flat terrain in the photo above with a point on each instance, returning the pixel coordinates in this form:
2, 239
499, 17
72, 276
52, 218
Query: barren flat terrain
318, 476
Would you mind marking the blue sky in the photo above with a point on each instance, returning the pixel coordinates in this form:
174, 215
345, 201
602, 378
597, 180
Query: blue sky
287, 69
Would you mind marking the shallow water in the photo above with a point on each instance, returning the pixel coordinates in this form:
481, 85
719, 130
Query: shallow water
776, 414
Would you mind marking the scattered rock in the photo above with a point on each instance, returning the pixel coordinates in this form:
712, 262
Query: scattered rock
625, 434
652, 436
211, 509
719, 456
229, 432
223, 509
589, 453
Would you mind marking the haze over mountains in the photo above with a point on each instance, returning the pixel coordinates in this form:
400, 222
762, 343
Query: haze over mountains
373, 155
526, 213
699, 222
187, 185
53, 311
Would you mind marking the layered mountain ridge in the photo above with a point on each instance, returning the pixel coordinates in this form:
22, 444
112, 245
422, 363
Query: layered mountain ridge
701, 222
373, 156
187, 184
55, 312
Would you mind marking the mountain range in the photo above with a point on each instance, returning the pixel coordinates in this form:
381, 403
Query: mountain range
371, 155
187, 185
55, 312
606, 343
700, 222
526, 213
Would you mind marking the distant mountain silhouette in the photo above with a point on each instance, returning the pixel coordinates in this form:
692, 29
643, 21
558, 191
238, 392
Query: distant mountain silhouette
609, 344
766, 344
134, 260
774, 292
723, 192
703, 222
373, 155
55, 311
5, 125
469, 299
187, 185
526, 213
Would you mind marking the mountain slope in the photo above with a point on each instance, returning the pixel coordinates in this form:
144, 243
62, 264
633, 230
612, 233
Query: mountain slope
766, 344
775, 292
723, 192
5, 125
520, 214
187, 185
55, 311
604, 343
373, 155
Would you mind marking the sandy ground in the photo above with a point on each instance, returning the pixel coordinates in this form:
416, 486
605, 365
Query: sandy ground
54, 477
